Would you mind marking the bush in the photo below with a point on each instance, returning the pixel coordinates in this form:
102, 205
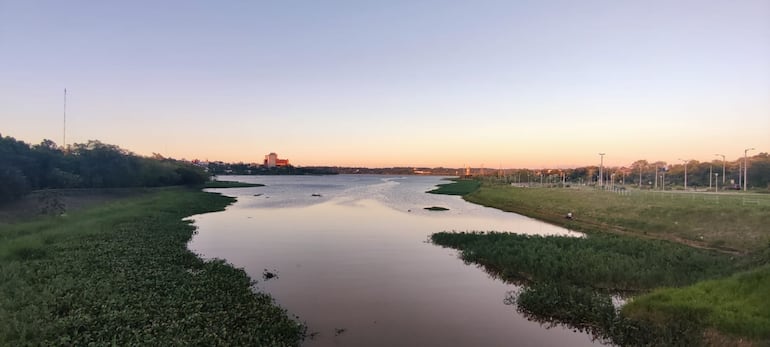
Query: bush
13, 184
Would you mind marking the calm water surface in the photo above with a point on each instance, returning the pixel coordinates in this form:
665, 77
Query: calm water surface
357, 258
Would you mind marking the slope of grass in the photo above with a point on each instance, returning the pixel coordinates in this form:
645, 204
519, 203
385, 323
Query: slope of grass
121, 274
727, 222
457, 187
601, 261
569, 281
717, 291
738, 305
230, 184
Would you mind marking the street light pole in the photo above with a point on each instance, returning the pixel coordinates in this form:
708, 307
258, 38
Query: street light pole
663, 180
723, 167
685, 173
601, 167
746, 167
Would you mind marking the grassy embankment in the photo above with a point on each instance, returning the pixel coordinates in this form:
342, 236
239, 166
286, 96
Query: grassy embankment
737, 222
457, 187
230, 184
121, 274
628, 249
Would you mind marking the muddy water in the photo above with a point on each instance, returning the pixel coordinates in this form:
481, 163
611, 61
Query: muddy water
354, 263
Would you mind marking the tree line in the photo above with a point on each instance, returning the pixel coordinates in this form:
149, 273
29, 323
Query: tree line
651, 174
25, 167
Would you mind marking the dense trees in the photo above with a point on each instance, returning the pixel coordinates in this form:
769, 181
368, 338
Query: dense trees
699, 174
84, 165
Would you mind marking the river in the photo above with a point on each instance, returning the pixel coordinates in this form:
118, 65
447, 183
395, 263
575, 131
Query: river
356, 266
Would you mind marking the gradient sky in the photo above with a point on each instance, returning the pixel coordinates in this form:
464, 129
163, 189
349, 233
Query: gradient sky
392, 83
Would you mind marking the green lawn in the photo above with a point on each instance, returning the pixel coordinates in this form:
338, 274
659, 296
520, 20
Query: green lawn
707, 254
738, 305
458, 187
729, 222
230, 184
121, 274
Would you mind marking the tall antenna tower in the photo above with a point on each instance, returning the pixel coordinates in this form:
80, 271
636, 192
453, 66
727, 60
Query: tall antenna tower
64, 127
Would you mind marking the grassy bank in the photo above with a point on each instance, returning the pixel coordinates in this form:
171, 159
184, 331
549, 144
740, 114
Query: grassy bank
457, 187
716, 292
738, 305
121, 274
230, 184
571, 280
607, 262
727, 222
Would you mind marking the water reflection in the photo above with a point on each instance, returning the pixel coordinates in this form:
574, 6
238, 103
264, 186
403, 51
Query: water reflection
354, 265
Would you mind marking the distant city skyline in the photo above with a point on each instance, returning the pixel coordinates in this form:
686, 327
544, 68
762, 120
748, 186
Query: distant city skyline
402, 83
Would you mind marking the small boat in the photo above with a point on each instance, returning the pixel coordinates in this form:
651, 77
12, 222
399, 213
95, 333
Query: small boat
315, 194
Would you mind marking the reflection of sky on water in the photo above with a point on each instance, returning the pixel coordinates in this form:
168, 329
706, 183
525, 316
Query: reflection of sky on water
356, 258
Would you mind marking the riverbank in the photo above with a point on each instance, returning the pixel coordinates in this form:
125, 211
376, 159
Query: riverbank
729, 223
121, 273
717, 290
457, 187
230, 184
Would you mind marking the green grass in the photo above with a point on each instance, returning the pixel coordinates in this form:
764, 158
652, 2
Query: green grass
738, 305
607, 262
711, 256
730, 223
569, 281
458, 187
121, 274
230, 184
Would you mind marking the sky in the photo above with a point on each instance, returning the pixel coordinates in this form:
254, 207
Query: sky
509, 84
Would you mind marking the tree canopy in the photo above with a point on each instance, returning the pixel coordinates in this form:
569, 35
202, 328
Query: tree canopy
94, 164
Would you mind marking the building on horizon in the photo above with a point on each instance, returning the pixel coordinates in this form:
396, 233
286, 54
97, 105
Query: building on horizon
272, 160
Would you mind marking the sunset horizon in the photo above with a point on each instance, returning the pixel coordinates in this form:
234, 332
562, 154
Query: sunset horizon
509, 85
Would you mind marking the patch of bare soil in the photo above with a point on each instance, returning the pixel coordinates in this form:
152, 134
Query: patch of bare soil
715, 338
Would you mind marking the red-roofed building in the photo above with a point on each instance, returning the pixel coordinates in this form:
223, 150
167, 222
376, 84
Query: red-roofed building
272, 160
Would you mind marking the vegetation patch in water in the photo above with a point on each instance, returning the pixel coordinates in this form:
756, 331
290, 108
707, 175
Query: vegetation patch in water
458, 187
602, 261
121, 274
230, 184
569, 280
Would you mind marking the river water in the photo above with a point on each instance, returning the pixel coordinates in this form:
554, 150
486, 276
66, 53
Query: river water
356, 266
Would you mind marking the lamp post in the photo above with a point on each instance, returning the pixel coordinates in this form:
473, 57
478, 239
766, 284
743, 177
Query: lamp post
663, 180
685, 173
601, 167
746, 167
723, 167
612, 181
710, 174
716, 181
